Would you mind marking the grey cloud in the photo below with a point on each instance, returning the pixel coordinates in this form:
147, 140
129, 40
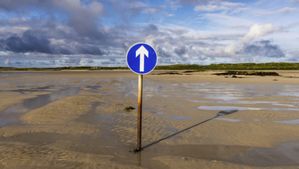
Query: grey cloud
81, 17
164, 53
180, 50
12, 5
92, 50
192, 1
125, 10
38, 41
196, 2
29, 42
150, 29
83, 32
264, 48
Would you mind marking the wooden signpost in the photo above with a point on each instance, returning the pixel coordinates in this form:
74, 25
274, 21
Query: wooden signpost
139, 113
141, 59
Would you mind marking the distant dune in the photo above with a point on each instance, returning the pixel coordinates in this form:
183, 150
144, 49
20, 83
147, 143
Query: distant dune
237, 66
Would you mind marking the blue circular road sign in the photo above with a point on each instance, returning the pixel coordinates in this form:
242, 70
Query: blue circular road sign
141, 58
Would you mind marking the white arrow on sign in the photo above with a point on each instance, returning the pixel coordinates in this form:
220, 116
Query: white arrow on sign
141, 52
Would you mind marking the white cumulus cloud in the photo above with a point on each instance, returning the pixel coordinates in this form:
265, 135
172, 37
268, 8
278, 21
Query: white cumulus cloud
213, 6
255, 32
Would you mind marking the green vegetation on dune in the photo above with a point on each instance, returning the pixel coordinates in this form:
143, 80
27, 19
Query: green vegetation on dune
61, 68
237, 66
256, 66
247, 73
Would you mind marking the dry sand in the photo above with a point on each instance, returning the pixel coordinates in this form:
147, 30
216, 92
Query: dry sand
78, 120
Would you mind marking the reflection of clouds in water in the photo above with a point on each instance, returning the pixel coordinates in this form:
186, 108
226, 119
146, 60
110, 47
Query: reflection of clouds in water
239, 93
284, 105
291, 90
283, 109
223, 97
202, 90
228, 119
291, 122
227, 108
271, 103
234, 91
218, 93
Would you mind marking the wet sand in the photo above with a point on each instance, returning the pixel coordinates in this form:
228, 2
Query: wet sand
78, 119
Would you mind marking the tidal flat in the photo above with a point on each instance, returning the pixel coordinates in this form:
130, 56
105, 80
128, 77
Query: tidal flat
87, 119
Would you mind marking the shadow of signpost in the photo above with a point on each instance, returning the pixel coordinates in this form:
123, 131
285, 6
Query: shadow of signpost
219, 114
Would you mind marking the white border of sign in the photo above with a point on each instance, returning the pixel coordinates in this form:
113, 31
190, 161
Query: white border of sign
128, 53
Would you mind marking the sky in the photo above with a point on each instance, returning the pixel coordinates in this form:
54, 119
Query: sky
54, 33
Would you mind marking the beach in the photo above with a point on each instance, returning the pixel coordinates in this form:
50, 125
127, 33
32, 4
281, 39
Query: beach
87, 119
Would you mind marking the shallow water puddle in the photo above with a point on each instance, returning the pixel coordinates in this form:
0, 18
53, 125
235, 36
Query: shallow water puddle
226, 93
291, 122
40, 100
109, 143
228, 119
227, 108
10, 115
23, 90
